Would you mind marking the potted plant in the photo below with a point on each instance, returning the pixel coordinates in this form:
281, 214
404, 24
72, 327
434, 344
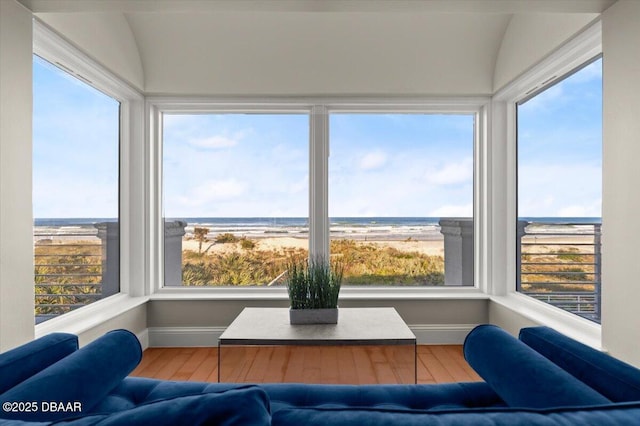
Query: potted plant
313, 285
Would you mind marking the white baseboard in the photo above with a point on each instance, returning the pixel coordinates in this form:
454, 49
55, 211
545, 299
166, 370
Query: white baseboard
184, 337
167, 337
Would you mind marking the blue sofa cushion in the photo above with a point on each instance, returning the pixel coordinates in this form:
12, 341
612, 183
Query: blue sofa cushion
20, 363
459, 395
248, 405
85, 377
612, 415
615, 379
521, 376
133, 391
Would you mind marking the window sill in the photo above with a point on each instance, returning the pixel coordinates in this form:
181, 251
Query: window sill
346, 293
90, 316
578, 328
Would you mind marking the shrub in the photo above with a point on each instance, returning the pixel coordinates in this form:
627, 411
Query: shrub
247, 244
226, 238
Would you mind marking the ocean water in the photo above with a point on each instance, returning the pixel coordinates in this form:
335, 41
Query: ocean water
351, 227
301, 222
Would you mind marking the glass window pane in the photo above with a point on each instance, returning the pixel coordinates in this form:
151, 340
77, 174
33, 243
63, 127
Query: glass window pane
235, 197
560, 193
76, 138
401, 198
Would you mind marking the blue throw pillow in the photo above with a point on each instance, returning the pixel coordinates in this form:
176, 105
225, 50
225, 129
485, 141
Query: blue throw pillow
77, 382
242, 406
521, 376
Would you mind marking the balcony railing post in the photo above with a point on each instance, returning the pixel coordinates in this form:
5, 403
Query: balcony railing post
173, 233
520, 232
458, 251
597, 268
109, 234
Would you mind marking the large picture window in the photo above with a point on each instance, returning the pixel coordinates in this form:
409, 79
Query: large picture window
559, 140
235, 192
76, 138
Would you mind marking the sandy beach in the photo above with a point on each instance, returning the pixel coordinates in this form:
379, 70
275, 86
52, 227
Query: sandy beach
430, 247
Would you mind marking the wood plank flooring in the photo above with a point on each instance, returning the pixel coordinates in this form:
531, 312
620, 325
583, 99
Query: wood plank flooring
309, 364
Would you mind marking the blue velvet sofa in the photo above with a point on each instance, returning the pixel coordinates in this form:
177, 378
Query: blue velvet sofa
542, 378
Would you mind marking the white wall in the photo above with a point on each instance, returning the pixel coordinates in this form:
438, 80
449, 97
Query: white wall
106, 37
621, 185
509, 319
134, 320
16, 244
435, 321
529, 38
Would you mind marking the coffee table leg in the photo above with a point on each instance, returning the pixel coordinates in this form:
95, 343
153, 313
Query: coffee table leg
415, 362
219, 363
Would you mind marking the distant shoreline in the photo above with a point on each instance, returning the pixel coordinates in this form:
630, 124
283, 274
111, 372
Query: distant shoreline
303, 221
362, 229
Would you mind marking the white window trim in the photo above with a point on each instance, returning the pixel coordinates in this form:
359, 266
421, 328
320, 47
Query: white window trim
318, 109
53, 48
502, 204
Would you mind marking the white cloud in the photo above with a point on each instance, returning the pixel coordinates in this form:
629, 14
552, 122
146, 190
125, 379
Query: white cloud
214, 142
373, 160
214, 190
451, 210
301, 186
452, 173
577, 210
560, 190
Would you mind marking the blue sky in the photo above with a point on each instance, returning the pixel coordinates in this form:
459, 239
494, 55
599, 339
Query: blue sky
75, 147
246, 165
560, 148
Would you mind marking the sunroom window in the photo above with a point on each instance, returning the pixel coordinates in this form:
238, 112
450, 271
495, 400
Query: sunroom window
398, 189
559, 228
76, 138
401, 198
235, 197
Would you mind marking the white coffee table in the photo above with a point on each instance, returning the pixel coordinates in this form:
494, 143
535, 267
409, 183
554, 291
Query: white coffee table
355, 327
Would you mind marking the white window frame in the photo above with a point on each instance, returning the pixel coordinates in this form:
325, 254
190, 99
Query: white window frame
133, 279
319, 110
503, 203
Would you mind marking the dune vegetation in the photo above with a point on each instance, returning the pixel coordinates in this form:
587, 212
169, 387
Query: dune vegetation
365, 264
68, 274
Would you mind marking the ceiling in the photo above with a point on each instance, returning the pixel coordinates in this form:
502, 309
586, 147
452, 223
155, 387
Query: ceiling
328, 47
416, 6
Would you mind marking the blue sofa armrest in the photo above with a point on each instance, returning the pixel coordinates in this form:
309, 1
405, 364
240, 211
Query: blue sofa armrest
615, 379
81, 379
520, 375
18, 364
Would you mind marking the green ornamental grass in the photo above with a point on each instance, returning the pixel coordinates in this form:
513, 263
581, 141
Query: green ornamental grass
314, 283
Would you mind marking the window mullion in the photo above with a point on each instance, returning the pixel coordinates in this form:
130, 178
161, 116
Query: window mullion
318, 182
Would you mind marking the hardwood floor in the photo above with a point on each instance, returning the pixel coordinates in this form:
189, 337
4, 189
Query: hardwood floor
358, 365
